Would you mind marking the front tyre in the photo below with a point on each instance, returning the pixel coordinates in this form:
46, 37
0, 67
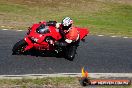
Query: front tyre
19, 47
70, 53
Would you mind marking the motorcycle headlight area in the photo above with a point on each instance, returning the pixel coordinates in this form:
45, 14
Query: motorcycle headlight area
34, 39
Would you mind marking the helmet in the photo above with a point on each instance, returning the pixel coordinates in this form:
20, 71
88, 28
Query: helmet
67, 23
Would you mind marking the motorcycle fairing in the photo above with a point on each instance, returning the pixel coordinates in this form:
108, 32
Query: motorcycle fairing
83, 32
41, 44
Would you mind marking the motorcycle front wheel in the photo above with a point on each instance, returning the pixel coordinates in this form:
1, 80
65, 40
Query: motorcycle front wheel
70, 53
19, 47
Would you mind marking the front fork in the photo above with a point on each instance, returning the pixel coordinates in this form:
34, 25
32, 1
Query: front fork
29, 42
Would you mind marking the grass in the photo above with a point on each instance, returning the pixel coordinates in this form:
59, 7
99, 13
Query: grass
33, 83
100, 16
49, 82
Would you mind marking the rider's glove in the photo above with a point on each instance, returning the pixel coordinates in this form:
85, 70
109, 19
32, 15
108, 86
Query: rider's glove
58, 25
51, 42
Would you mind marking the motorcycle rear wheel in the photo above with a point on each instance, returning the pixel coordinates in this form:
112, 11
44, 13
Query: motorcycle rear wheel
19, 47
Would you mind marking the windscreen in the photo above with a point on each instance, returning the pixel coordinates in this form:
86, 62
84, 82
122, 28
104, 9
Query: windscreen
42, 29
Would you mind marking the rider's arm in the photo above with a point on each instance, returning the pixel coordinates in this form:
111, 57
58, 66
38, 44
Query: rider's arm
62, 33
72, 36
58, 25
63, 43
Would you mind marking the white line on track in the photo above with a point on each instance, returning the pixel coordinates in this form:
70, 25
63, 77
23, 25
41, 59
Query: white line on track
100, 35
91, 75
5, 29
113, 36
125, 37
19, 30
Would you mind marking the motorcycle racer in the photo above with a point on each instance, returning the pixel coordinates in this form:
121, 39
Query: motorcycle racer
70, 35
51, 38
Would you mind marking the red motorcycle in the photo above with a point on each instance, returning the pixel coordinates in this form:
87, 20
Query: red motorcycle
42, 37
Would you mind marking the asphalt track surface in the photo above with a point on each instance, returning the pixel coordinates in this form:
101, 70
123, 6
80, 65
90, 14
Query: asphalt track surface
98, 54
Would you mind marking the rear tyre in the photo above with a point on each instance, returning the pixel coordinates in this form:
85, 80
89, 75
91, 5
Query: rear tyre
19, 47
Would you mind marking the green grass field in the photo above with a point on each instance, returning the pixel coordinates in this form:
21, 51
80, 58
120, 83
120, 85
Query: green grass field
100, 16
39, 83
49, 82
